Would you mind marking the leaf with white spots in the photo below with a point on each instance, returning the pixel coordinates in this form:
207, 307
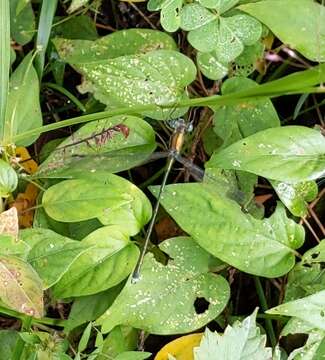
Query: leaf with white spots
109, 259
310, 309
260, 247
51, 254
120, 151
290, 154
241, 341
155, 78
9, 222
308, 276
210, 66
21, 288
226, 36
119, 43
296, 196
163, 300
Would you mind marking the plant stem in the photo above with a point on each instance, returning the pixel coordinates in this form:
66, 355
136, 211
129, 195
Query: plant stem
20, 344
264, 306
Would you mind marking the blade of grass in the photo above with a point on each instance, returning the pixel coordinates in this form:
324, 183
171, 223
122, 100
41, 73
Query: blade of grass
43, 33
297, 83
4, 59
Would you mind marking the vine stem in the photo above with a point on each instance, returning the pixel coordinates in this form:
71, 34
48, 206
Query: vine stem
264, 306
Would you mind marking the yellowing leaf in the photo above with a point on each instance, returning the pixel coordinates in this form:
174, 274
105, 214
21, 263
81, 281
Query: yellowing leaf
9, 222
23, 202
26, 161
180, 348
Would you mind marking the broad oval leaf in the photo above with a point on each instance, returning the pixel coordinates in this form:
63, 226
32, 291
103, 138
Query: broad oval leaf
51, 254
259, 247
194, 16
300, 24
119, 43
8, 179
296, 196
313, 307
290, 154
23, 89
109, 259
82, 199
162, 301
21, 288
129, 141
156, 78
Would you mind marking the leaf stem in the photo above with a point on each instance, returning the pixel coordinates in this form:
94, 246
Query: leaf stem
264, 306
20, 344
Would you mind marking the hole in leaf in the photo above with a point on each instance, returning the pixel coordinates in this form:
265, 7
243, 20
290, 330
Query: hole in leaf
306, 265
322, 313
315, 255
201, 305
161, 256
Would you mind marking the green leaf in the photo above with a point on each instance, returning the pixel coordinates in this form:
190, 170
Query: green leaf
89, 308
120, 43
130, 217
158, 77
109, 259
210, 66
5, 55
242, 341
23, 89
11, 246
8, 179
234, 33
133, 355
300, 24
119, 340
21, 288
162, 301
116, 154
48, 9
259, 247
194, 16
77, 27
84, 338
22, 23
8, 340
235, 122
51, 254
170, 15
290, 154
246, 62
308, 276
82, 199
313, 307
296, 196
220, 5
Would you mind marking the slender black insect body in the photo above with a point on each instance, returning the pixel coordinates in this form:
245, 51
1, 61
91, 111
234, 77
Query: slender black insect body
176, 144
